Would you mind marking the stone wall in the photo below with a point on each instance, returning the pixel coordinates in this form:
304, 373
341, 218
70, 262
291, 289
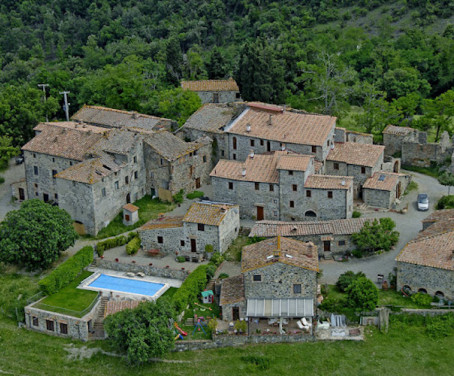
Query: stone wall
277, 282
227, 314
229, 228
393, 143
171, 237
146, 269
15, 190
360, 138
416, 154
222, 96
220, 141
425, 277
378, 198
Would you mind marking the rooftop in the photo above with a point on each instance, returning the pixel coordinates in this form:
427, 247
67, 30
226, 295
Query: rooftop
163, 222
400, 131
207, 213
82, 127
328, 182
232, 290
294, 162
270, 123
438, 215
211, 85
279, 249
383, 181
130, 207
356, 154
334, 227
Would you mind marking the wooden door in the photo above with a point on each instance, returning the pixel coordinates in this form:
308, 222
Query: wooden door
326, 246
21, 194
235, 313
268, 146
197, 183
260, 215
193, 245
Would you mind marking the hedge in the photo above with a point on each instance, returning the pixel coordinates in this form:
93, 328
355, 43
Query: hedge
133, 246
114, 242
67, 272
190, 288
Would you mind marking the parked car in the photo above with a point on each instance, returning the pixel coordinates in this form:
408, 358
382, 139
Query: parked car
20, 159
423, 202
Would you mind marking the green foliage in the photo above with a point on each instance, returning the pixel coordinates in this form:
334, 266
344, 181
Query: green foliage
413, 186
422, 299
446, 202
113, 242
347, 278
430, 171
257, 362
375, 236
223, 276
66, 272
216, 258
2, 179
241, 326
142, 333
191, 288
362, 295
209, 248
356, 214
35, 235
181, 259
178, 197
440, 326
211, 270
255, 239
446, 179
7, 150
195, 194
213, 324
133, 246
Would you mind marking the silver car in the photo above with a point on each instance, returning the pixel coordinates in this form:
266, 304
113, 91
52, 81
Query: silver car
423, 202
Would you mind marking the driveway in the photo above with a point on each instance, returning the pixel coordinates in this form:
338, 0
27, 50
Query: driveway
408, 225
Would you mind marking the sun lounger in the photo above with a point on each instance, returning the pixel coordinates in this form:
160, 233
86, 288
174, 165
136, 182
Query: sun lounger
323, 325
305, 322
301, 326
140, 274
130, 274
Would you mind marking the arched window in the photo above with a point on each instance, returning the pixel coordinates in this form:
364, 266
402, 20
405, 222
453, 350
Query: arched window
422, 291
310, 214
439, 294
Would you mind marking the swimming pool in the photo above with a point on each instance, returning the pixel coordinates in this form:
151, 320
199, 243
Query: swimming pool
125, 285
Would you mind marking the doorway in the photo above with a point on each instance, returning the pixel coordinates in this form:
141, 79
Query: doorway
21, 194
193, 245
197, 183
326, 246
128, 198
235, 313
268, 146
260, 214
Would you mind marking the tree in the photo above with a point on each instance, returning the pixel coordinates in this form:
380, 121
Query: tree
143, 332
446, 179
376, 235
6, 151
362, 294
345, 279
217, 65
35, 235
440, 111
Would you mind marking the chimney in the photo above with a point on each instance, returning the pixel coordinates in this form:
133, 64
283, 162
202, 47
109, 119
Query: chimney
251, 155
248, 127
270, 120
135, 115
243, 173
283, 147
343, 182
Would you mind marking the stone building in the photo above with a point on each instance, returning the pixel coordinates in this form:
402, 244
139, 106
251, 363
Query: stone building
278, 279
205, 223
438, 216
382, 189
360, 161
331, 237
345, 135
214, 91
262, 128
393, 138
282, 186
426, 264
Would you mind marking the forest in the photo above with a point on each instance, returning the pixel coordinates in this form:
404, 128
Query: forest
368, 62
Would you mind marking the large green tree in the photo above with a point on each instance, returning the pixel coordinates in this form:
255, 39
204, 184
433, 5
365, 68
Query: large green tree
362, 294
35, 235
7, 150
144, 332
376, 235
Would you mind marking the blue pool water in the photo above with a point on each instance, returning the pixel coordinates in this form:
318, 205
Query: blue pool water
108, 282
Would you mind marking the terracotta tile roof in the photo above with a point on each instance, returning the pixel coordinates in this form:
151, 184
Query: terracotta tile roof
163, 222
334, 227
279, 249
114, 306
355, 153
232, 290
317, 166
383, 181
212, 117
63, 142
285, 127
110, 117
328, 182
294, 162
438, 227
116, 141
211, 85
130, 207
82, 127
207, 213
438, 215
400, 131
171, 147
435, 251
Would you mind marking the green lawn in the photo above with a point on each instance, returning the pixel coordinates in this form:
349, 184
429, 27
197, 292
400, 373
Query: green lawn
148, 209
70, 299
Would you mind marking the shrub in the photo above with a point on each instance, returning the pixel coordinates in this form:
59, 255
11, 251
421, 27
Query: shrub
195, 194
217, 258
362, 294
357, 253
178, 198
421, 299
346, 279
2, 179
133, 246
241, 326
376, 235
114, 242
213, 324
356, 214
260, 362
191, 288
440, 326
209, 248
446, 202
211, 270
181, 259
223, 276
66, 272
413, 186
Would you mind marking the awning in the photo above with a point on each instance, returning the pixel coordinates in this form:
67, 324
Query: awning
280, 307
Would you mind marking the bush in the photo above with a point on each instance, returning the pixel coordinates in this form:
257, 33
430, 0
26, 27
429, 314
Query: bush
211, 270
223, 276
356, 214
209, 248
2, 179
114, 242
421, 299
362, 294
195, 194
181, 259
67, 272
446, 202
178, 198
346, 279
413, 186
191, 288
133, 246
217, 258
241, 326
357, 253
376, 235
440, 326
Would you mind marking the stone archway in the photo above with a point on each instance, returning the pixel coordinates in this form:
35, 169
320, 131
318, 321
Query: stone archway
396, 167
422, 291
310, 214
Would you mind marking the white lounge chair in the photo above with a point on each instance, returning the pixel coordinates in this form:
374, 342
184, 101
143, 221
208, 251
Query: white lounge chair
301, 326
305, 322
323, 325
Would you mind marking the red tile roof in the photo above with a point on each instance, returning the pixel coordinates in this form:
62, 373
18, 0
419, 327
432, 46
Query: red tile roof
163, 222
356, 154
130, 207
207, 213
211, 85
232, 290
383, 181
328, 182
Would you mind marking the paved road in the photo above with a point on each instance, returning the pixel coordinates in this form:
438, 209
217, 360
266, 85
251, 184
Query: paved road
408, 225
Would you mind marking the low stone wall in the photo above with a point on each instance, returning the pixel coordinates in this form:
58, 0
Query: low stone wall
146, 269
240, 340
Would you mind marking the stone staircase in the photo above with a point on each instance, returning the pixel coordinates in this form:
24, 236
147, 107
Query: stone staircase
98, 326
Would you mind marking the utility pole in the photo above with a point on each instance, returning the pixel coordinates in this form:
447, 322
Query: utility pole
66, 105
43, 86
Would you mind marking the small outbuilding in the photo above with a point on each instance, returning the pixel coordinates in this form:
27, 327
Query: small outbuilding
130, 214
207, 296
382, 189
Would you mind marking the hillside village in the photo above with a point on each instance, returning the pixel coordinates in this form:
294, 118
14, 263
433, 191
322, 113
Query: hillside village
292, 181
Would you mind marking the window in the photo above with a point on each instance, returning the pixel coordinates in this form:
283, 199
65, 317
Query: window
234, 156
314, 149
327, 142
63, 328
336, 166
222, 153
35, 170
45, 197
50, 325
257, 277
230, 185
234, 143
271, 188
330, 194
292, 204
275, 213
363, 170
35, 321
204, 159
160, 239
53, 159
182, 243
70, 163
161, 161
34, 155
297, 288
308, 193
252, 142
294, 187
200, 227
341, 242
36, 185
37, 194
126, 180
261, 142
136, 174
54, 172
56, 196
135, 159
257, 186
290, 172
117, 184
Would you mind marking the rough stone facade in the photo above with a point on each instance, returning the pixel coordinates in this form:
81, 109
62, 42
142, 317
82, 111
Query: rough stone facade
19, 190
218, 96
227, 310
386, 198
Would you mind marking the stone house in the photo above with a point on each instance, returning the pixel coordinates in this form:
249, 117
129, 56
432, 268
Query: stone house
382, 189
426, 264
205, 223
345, 135
438, 216
173, 165
262, 128
214, 91
279, 278
282, 186
393, 138
360, 161
330, 237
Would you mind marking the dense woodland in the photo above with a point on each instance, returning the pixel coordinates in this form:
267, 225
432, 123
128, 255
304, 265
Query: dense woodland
369, 62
